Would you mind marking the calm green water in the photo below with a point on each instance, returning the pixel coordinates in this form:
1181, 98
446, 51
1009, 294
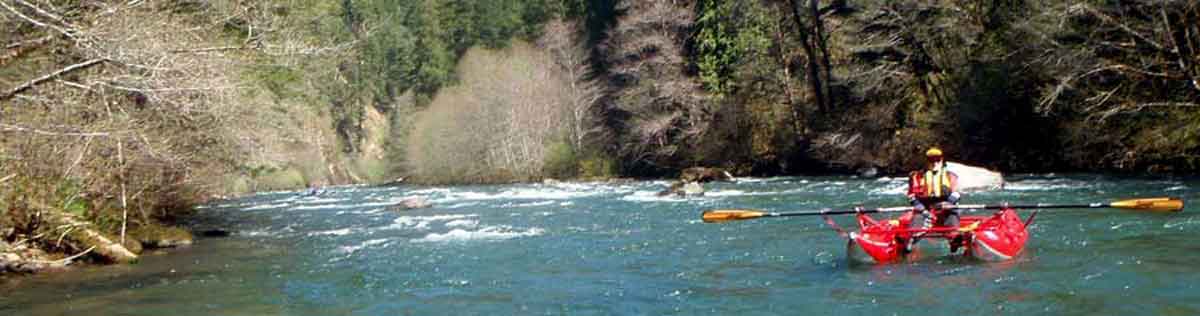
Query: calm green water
616, 249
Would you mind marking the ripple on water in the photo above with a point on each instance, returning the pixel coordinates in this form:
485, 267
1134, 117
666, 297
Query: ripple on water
620, 249
501, 232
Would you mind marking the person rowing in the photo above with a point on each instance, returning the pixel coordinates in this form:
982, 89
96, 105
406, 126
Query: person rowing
930, 191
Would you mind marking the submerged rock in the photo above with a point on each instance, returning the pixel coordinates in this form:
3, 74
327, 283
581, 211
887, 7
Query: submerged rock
971, 178
215, 233
153, 237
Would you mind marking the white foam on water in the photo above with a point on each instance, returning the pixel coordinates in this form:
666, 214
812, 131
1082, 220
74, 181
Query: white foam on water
254, 233
335, 232
1176, 188
889, 190
422, 222
431, 191
373, 211
347, 206
516, 194
461, 205
321, 200
652, 196
749, 180
360, 246
1046, 185
490, 233
567, 203
462, 223
1173, 224
726, 193
1119, 225
265, 206
530, 204
311, 207
729, 193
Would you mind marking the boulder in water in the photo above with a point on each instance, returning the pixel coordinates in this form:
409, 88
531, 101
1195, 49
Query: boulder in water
971, 178
156, 236
683, 188
704, 174
411, 203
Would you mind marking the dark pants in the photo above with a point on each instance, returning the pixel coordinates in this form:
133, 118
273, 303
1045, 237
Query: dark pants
925, 219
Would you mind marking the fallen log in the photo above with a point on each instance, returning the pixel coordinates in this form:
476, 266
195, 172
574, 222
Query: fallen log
83, 235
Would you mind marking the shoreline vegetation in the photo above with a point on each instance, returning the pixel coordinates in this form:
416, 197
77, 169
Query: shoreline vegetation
116, 117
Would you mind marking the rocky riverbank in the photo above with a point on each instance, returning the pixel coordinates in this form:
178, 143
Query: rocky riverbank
23, 254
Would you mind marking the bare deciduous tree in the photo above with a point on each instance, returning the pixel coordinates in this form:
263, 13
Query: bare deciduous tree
666, 108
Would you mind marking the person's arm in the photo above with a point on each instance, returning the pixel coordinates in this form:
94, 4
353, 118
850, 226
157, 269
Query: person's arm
953, 181
954, 195
914, 187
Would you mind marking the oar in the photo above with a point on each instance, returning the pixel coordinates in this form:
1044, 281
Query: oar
1158, 204
717, 216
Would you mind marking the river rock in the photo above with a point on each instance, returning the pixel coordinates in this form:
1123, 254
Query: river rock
704, 174
411, 203
681, 188
157, 236
868, 172
215, 233
971, 178
8, 260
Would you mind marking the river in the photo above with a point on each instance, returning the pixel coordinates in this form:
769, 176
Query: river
617, 249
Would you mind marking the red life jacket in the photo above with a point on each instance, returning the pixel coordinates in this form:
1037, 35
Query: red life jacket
929, 184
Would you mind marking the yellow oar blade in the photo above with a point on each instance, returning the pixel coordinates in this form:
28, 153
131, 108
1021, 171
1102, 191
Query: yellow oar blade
717, 216
1161, 204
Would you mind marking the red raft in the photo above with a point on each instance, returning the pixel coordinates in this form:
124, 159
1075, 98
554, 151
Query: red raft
998, 237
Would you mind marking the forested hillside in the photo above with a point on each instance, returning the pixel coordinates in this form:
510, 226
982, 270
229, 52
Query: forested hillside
123, 112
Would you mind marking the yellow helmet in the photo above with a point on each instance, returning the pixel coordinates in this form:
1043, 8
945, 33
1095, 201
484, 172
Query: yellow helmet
933, 152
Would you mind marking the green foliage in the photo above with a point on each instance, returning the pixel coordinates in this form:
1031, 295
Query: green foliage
729, 31
281, 81
561, 161
287, 178
373, 170
597, 166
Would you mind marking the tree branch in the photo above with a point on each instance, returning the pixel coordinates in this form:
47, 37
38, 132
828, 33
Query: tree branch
68, 33
36, 41
14, 128
206, 49
1122, 26
43, 12
49, 76
1168, 104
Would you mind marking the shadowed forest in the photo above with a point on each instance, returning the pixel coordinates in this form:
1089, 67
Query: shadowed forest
119, 115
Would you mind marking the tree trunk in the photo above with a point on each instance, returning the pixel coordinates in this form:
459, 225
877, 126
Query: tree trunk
82, 234
815, 82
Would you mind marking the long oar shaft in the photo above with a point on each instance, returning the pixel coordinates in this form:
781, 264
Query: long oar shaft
714, 216
1163, 204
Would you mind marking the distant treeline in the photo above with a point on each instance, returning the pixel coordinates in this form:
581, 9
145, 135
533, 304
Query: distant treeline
123, 113
787, 87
